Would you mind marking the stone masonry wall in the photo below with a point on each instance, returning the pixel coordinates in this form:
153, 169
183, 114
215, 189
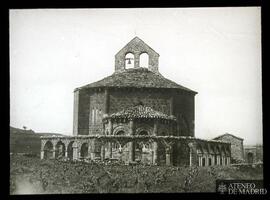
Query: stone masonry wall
237, 151
81, 121
97, 106
120, 100
184, 112
91, 107
136, 47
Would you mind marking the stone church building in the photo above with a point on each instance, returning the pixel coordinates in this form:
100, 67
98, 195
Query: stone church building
136, 115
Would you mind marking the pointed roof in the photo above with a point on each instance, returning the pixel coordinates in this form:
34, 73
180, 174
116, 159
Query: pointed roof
142, 112
136, 40
136, 78
227, 134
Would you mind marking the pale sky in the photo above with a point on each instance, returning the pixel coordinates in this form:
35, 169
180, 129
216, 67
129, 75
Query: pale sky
214, 51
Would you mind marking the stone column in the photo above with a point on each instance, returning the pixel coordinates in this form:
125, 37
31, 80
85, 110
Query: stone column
66, 153
110, 149
42, 154
155, 145
168, 158
102, 153
143, 157
91, 149
132, 144
155, 153
206, 160
168, 155
131, 152
110, 133
192, 153
53, 153
75, 152
190, 156
218, 160
136, 60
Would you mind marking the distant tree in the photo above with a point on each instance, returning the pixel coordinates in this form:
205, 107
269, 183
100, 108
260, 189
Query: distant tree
24, 127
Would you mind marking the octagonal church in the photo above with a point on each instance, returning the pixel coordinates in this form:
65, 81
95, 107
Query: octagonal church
135, 115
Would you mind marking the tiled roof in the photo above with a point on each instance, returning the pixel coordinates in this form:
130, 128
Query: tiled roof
136, 78
140, 111
227, 134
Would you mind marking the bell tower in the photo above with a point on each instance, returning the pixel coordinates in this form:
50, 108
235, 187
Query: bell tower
133, 55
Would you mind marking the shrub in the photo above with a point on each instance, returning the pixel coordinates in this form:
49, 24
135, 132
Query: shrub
57, 176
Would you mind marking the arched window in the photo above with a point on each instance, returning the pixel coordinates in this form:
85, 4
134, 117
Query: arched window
144, 60
143, 133
120, 133
163, 134
129, 61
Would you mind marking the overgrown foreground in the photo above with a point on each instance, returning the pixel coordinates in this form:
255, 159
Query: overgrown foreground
30, 175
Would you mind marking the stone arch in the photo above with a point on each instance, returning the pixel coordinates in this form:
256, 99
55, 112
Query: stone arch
136, 46
143, 132
218, 150
210, 161
60, 149
115, 144
250, 157
84, 150
144, 129
199, 149
120, 132
205, 149
144, 60
218, 155
120, 128
223, 155
163, 133
203, 161
48, 150
70, 150
223, 151
211, 156
129, 60
144, 151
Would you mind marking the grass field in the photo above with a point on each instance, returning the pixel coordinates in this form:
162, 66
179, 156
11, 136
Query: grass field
30, 175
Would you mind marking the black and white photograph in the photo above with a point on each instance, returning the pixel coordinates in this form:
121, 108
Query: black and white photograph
136, 100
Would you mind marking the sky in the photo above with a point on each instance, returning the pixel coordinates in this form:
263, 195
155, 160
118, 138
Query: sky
214, 51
